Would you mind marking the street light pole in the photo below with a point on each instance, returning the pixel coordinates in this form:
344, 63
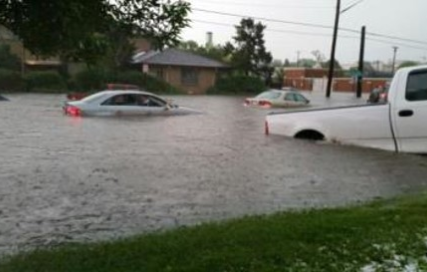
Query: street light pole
394, 59
334, 43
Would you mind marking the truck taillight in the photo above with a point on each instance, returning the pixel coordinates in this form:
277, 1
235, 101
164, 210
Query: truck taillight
73, 111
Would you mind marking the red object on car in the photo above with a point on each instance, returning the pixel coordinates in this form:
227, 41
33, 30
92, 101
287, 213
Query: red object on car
76, 96
264, 103
117, 86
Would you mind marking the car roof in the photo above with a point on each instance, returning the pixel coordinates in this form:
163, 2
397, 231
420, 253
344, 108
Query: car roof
112, 92
109, 93
285, 90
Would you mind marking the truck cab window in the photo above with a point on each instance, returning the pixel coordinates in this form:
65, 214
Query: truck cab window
416, 88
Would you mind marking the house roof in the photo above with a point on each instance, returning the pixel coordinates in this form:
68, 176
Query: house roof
175, 57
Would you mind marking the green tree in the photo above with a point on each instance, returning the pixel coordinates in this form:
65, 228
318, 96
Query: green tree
8, 60
75, 29
249, 54
216, 52
191, 46
307, 63
119, 49
337, 65
408, 63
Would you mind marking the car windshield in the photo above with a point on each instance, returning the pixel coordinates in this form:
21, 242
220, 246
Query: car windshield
93, 97
269, 95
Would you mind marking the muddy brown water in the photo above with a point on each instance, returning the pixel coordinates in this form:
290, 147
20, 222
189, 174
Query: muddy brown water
68, 179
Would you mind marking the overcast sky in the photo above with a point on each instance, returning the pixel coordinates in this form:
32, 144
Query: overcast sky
405, 19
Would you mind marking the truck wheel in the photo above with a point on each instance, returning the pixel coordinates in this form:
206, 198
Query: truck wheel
310, 135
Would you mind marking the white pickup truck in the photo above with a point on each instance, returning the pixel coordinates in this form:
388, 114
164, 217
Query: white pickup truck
399, 125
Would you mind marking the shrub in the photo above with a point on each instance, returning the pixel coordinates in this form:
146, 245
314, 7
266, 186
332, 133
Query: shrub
155, 85
8, 60
47, 81
89, 80
97, 79
11, 81
237, 85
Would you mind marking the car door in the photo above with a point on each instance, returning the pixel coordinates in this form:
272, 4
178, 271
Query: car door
151, 105
409, 112
300, 100
290, 100
121, 105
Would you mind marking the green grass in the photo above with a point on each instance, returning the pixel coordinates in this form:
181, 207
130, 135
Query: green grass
387, 234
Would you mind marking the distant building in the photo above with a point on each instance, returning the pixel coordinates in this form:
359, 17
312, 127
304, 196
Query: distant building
304, 78
311, 79
29, 61
187, 71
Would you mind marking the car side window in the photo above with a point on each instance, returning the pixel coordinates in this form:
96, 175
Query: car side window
289, 97
121, 100
416, 87
300, 98
149, 101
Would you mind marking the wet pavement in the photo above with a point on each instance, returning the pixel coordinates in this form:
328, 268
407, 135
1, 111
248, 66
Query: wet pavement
86, 179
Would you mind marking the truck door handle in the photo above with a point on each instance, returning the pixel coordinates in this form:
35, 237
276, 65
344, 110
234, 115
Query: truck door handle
406, 113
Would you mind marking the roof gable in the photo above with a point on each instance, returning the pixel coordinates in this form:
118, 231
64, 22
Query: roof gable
176, 57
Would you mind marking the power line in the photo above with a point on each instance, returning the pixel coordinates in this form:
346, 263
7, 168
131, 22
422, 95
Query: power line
278, 30
308, 25
261, 18
303, 33
351, 6
264, 5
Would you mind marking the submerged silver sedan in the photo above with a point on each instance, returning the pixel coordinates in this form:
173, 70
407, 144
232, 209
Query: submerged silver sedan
123, 103
286, 98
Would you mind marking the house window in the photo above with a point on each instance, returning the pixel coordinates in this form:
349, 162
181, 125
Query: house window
159, 73
189, 76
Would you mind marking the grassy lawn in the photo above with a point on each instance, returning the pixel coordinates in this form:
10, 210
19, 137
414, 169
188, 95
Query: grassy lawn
386, 235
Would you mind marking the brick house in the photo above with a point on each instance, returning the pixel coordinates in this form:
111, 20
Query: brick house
313, 79
29, 61
184, 70
303, 78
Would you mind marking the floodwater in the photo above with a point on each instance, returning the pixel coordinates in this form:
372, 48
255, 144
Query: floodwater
66, 179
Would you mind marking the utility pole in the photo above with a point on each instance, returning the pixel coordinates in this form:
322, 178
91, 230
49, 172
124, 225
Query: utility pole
394, 59
298, 53
361, 60
334, 43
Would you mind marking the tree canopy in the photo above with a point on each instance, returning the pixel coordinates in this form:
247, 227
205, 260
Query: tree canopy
76, 29
249, 53
216, 52
8, 60
408, 63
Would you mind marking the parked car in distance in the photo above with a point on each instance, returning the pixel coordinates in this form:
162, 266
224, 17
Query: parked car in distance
123, 103
378, 95
287, 97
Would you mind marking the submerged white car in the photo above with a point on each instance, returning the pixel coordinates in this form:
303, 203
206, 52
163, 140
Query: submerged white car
123, 103
286, 97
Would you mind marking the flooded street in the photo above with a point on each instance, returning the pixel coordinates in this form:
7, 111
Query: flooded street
86, 179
